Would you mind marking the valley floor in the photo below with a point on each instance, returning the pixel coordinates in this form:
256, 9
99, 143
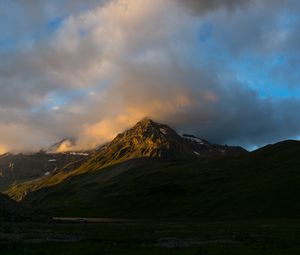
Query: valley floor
263, 237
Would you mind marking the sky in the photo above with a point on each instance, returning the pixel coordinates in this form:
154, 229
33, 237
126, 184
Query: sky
227, 71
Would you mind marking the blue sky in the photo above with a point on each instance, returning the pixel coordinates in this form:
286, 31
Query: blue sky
226, 71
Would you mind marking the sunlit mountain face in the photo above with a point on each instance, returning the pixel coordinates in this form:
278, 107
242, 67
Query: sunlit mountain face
226, 71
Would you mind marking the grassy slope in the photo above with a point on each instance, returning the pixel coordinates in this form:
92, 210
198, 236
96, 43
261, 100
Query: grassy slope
262, 184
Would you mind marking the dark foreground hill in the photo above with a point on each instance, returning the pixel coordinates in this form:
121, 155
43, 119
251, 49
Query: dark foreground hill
11, 211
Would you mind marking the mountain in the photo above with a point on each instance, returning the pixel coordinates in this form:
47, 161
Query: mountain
260, 184
146, 141
150, 171
149, 139
16, 168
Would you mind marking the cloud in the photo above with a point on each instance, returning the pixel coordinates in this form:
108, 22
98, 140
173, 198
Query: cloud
110, 63
29, 17
3, 149
201, 7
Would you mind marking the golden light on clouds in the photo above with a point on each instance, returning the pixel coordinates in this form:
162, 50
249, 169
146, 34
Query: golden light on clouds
107, 128
65, 146
3, 149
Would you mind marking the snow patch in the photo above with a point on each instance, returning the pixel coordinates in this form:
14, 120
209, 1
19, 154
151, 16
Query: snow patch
52, 160
164, 131
79, 154
47, 173
197, 153
194, 139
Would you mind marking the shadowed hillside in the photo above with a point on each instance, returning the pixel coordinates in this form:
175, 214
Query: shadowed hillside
12, 211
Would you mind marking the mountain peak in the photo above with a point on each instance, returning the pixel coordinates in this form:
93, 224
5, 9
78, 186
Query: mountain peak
145, 122
148, 130
150, 139
145, 130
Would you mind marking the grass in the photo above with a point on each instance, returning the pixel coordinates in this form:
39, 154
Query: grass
160, 237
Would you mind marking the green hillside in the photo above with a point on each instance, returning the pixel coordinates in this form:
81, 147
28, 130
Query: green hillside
264, 183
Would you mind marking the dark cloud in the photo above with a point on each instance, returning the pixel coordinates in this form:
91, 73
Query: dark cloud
196, 101
202, 6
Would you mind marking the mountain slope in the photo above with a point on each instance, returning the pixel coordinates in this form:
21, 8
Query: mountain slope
16, 168
146, 140
264, 183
